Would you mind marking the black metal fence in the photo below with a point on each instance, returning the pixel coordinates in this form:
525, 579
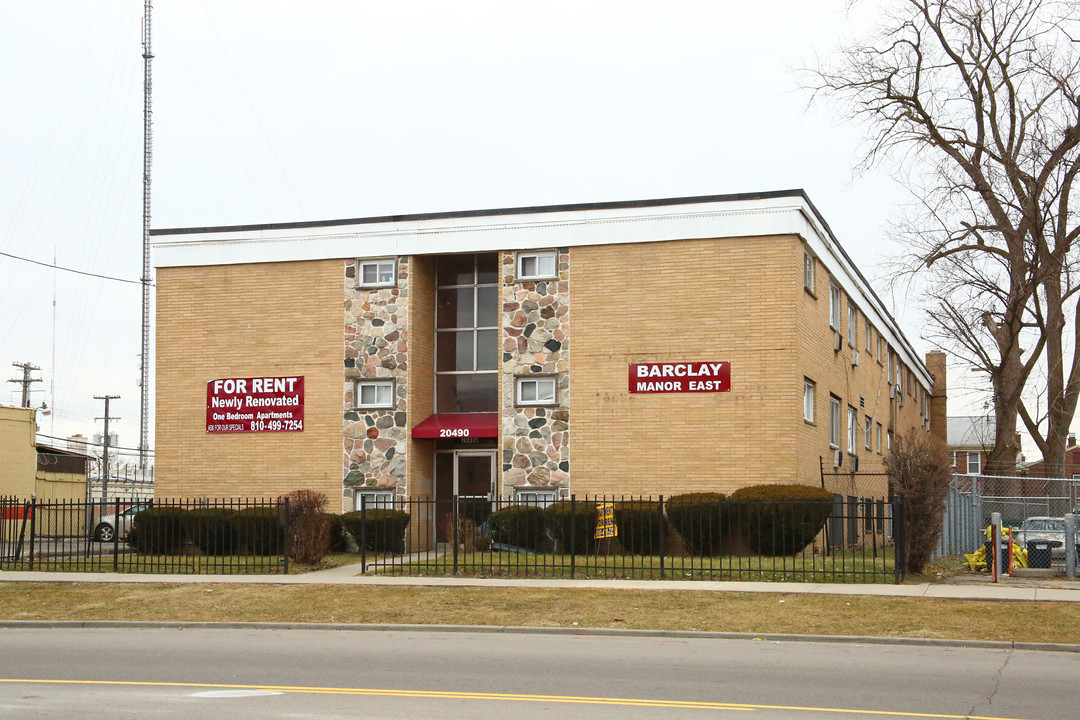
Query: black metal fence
849, 539
233, 536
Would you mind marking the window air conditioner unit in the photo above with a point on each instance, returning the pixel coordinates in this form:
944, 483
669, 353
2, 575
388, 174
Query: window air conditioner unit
838, 341
838, 458
854, 358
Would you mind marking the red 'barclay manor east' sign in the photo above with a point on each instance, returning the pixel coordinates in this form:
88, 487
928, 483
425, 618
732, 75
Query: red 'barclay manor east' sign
685, 377
268, 404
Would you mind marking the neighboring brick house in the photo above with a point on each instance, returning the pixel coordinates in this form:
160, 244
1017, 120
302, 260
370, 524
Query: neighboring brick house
970, 439
648, 347
1037, 469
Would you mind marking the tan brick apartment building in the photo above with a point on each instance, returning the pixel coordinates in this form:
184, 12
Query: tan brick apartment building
645, 347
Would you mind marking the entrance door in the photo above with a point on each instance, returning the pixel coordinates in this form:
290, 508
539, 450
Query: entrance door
470, 475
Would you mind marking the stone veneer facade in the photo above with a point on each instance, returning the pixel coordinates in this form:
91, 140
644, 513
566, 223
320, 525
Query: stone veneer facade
376, 346
535, 448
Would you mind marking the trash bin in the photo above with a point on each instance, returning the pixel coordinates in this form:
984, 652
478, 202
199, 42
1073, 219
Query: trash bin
1039, 553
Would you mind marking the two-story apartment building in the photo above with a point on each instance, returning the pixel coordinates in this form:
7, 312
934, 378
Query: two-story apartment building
660, 346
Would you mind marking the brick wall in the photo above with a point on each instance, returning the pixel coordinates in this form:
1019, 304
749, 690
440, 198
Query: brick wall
259, 320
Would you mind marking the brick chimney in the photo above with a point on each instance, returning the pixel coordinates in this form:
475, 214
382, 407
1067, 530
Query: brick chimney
1071, 442
935, 363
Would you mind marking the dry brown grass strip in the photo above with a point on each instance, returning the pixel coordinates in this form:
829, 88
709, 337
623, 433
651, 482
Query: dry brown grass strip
643, 609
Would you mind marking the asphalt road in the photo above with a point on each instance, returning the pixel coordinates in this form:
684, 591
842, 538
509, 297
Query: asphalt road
241, 674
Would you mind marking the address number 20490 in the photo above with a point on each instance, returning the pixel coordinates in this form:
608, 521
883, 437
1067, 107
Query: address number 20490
453, 432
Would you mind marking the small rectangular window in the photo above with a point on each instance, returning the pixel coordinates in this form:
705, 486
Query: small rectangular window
375, 499
868, 424
808, 271
374, 393
534, 498
834, 421
376, 273
834, 305
536, 391
808, 400
974, 463
537, 265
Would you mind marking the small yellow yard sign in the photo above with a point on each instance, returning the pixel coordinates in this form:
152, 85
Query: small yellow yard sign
605, 522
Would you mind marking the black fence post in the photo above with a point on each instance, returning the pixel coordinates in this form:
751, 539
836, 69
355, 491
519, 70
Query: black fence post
573, 534
363, 533
454, 537
660, 524
116, 536
33, 527
900, 539
286, 546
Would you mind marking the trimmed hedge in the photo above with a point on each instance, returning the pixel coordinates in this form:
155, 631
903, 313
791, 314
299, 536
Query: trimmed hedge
518, 525
701, 519
259, 530
211, 530
385, 531
641, 526
779, 519
338, 544
157, 530
561, 516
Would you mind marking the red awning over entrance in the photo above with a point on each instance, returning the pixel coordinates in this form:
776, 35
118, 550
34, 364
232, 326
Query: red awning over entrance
459, 425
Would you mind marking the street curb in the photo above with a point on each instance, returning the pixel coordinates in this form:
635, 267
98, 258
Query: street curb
525, 630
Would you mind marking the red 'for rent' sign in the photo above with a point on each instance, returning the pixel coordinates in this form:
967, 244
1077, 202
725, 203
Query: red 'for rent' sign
271, 404
685, 377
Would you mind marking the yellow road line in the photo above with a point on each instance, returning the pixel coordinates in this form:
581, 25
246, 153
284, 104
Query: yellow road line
454, 695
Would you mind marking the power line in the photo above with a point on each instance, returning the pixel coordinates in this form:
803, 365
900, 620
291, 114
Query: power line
71, 270
89, 443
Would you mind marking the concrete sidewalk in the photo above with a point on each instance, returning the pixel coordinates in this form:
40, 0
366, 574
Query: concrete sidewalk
1009, 589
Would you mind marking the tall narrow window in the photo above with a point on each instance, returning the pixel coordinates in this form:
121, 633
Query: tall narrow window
808, 271
877, 437
467, 333
852, 325
868, 424
868, 331
834, 421
808, 400
834, 305
852, 429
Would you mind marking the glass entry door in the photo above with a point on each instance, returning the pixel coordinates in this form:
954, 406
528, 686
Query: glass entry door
469, 475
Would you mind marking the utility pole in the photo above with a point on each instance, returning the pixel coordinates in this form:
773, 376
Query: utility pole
25, 381
105, 445
148, 155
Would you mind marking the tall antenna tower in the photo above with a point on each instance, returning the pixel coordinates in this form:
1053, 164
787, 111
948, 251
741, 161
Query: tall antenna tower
148, 154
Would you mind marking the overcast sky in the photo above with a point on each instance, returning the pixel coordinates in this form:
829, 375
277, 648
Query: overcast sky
276, 111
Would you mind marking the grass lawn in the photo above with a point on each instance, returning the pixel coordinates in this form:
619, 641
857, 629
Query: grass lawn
584, 608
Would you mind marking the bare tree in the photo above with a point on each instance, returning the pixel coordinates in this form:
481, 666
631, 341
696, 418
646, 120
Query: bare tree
977, 100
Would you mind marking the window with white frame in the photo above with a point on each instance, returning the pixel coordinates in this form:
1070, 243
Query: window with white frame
376, 273
974, 463
867, 427
852, 429
834, 421
852, 325
536, 391
834, 305
374, 499
868, 330
374, 394
537, 265
808, 271
534, 498
808, 400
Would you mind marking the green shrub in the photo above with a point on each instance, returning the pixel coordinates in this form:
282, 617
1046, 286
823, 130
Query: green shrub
779, 519
700, 519
579, 517
157, 530
641, 526
211, 530
384, 531
338, 544
259, 530
518, 525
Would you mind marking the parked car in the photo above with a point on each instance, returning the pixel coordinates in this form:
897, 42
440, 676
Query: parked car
109, 525
1043, 528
